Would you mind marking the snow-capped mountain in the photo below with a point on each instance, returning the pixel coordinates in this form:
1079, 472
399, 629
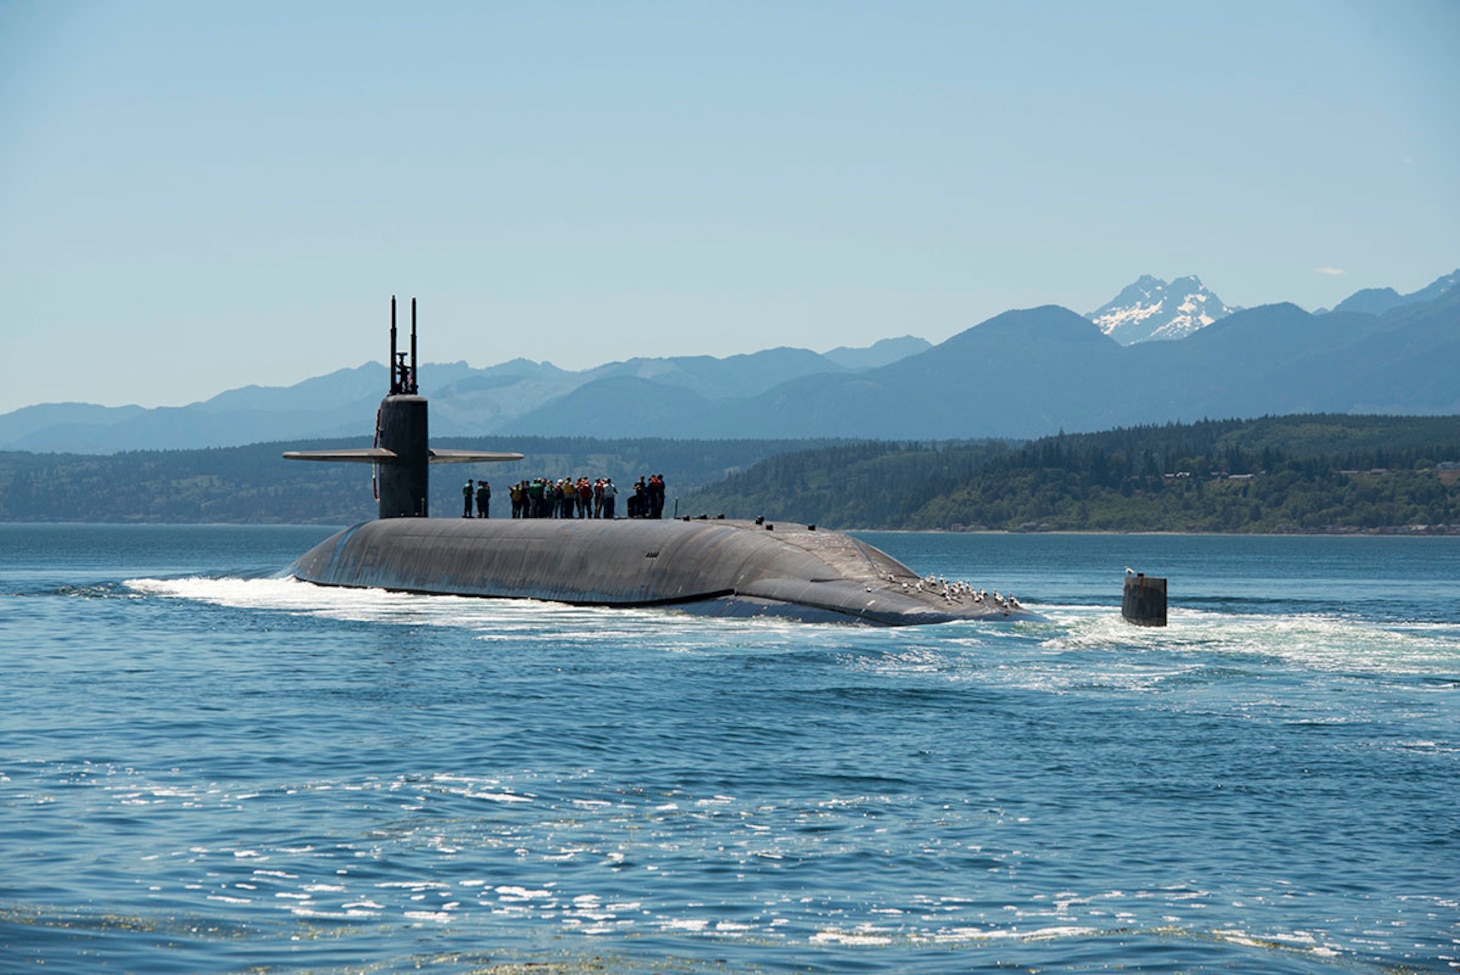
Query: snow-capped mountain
1152, 309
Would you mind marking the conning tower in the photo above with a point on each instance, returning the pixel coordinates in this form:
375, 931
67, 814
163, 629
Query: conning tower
401, 427
402, 454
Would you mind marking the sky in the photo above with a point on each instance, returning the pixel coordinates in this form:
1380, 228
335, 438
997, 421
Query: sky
200, 196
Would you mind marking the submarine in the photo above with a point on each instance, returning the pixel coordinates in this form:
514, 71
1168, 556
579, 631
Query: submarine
712, 567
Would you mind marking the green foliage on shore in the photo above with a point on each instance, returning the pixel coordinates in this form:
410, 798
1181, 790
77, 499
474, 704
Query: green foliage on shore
255, 485
1275, 474
1292, 473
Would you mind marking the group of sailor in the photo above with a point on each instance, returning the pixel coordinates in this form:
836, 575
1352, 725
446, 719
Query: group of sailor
567, 497
647, 501
482, 492
542, 497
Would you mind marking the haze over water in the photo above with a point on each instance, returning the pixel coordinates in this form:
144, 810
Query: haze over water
209, 768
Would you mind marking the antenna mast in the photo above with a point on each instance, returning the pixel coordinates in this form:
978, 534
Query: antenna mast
410, 380
390, 363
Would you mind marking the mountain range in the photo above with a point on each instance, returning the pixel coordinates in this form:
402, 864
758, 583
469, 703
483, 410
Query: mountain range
1377, 301
1023, 373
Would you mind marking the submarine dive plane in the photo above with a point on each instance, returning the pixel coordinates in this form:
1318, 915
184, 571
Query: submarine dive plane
705, 566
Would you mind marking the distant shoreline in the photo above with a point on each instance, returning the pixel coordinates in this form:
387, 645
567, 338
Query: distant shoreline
1412, 531
1428, 531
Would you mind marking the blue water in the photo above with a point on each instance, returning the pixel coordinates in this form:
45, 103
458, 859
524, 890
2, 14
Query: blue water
205, 768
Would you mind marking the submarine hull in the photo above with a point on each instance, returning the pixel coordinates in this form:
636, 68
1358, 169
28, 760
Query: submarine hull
717, 568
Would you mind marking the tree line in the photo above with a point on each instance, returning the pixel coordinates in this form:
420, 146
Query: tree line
1290, 473
1275, 474
255, 485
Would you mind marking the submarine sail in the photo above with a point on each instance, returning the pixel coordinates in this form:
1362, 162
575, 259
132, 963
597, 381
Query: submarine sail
401, 452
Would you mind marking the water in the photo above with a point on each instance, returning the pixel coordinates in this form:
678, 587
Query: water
207, 768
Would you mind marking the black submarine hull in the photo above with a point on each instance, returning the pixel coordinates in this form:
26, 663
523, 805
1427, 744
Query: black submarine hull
716, 568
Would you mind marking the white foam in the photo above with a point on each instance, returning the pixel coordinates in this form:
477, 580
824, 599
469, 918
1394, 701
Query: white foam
507, 893
862, 936
497, 620
440, 917
501, 616
1313, 641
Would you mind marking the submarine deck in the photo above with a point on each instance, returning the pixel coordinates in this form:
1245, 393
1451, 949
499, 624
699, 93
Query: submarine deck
719, 567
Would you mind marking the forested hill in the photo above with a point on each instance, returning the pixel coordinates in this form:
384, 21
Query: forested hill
255, 485
1293, 473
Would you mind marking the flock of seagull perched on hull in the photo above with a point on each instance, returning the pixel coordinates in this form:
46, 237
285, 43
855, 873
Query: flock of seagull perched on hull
956, 591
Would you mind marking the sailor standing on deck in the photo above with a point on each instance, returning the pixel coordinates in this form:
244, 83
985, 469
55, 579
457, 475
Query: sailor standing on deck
484, 499
609, 493
655, 496
466, 494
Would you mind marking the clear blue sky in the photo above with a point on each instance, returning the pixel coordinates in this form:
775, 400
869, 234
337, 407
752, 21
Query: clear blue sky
199, 196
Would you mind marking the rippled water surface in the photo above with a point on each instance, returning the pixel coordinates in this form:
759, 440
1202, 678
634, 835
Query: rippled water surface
207, 767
